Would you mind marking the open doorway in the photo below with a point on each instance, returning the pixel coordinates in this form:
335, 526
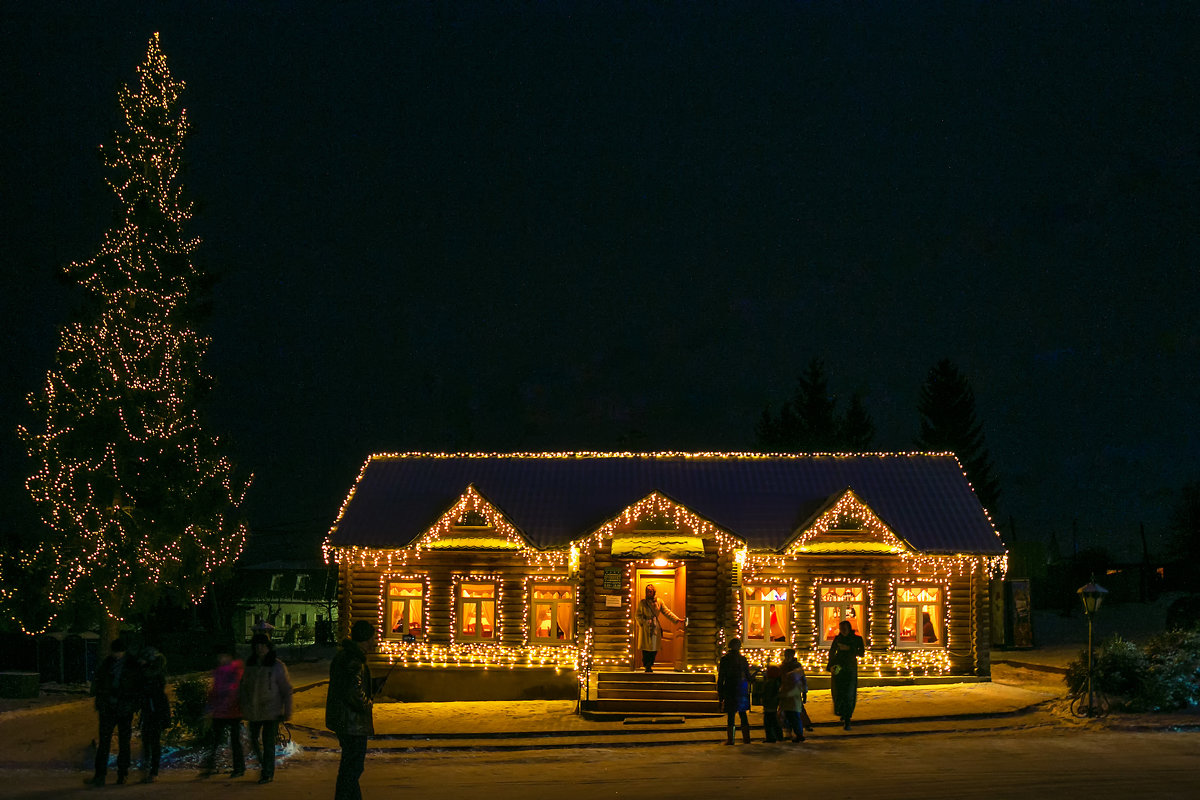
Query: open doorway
670, 585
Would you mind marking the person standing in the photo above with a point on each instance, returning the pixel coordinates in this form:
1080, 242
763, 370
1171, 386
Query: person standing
770, 704
117, 688
649, 628
844, 653
225, 711
156, 709
266, 699
348, 708
793, 694
733, 687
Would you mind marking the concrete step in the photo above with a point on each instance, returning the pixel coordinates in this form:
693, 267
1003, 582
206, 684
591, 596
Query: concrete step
658, 677
635, 692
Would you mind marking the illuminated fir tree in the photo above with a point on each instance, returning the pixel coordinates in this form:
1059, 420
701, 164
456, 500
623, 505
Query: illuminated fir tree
139, 501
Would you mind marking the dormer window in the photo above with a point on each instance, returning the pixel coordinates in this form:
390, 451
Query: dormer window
472, 519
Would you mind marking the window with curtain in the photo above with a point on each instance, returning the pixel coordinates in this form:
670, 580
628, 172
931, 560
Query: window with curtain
406, 609
552, 610
476, 612
767, 614
837, 603
919, 617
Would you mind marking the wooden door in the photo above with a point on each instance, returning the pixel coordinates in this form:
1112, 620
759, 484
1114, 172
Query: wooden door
670, 587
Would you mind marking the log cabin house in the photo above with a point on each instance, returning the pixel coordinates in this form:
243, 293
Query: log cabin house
508, 576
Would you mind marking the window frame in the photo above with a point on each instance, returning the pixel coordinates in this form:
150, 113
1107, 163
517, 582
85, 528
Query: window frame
462, 581
389, 602
940, 607
542, 582
767, 643
864, 626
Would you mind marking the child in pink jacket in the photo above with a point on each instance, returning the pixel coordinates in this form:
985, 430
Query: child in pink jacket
223, 708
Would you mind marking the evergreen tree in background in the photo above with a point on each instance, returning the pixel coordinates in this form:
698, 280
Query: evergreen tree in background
809, 422
947, 409
140, 503
857, 427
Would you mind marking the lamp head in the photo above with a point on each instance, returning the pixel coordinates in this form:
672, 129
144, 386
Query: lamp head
1092, 594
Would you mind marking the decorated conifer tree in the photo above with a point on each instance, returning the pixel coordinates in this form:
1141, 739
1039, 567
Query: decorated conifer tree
139, 501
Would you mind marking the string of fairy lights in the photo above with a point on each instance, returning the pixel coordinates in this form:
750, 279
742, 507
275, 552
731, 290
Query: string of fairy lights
135, 495
848, 517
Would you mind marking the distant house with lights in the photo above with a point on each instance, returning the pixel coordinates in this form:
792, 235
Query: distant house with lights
516, 575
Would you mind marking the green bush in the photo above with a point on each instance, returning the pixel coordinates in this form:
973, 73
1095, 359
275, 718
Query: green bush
1118, 669
1162, 676
189, 723
1174, 677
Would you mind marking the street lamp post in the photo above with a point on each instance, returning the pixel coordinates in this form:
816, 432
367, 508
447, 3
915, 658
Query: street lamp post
1092, 594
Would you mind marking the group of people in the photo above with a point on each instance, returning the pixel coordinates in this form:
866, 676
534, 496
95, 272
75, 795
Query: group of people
126, 684
258, 691
785, 688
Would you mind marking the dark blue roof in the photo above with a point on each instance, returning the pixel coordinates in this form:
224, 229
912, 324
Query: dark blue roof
554, 498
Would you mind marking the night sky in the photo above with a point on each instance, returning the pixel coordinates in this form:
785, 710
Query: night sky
630, 226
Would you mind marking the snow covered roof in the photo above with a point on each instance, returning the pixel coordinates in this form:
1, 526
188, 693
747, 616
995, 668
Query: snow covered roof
763, 499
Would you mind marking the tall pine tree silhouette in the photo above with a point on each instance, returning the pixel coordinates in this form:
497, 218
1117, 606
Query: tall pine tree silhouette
140, 503
948, 423
809, 421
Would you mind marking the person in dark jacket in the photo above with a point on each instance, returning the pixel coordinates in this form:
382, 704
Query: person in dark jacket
155, 710
770, 704
348, 708
733, 687
844, 653
117, 688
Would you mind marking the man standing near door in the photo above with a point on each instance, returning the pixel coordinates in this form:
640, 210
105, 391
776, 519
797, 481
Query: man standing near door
649, 628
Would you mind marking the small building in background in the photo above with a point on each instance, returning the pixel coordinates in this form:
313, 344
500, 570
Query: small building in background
296, 597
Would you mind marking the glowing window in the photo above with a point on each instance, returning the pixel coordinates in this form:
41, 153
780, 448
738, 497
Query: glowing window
919, 617
552, 610
768, 616
477, 612
837, 604
406, 609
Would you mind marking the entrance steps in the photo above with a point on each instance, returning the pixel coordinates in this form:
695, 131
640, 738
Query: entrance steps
662, 694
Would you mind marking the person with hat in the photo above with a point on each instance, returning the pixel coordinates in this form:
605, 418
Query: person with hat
117, 688
266, 700
348, 708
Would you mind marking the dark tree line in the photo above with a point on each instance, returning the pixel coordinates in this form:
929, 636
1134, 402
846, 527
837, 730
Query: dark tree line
810, 421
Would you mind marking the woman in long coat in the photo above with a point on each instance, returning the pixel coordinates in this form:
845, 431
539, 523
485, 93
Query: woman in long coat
649, 608
844, 653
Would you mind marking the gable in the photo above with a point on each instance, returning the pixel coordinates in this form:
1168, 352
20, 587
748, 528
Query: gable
472, 523
658, 527
846, 525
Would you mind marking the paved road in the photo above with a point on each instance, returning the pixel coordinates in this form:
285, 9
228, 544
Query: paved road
1038, 764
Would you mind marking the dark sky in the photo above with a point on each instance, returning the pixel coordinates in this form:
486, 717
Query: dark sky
602, 226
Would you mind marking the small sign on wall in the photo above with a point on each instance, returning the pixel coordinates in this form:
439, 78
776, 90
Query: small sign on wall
612, 601
612, 577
